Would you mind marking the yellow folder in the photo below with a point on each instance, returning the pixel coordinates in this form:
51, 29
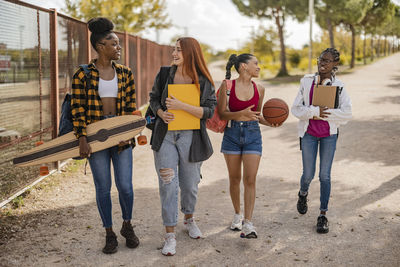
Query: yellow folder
189, 94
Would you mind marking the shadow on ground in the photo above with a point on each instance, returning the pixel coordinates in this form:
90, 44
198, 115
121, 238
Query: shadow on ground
352, 145
67, 235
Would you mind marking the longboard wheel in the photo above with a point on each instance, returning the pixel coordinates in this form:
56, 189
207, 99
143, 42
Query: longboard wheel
137, 113
142, 140
38, 143
44, 170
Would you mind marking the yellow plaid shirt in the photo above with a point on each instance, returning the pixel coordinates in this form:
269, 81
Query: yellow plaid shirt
86, 105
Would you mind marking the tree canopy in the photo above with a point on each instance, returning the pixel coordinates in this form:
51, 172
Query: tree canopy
132, 16
277, 10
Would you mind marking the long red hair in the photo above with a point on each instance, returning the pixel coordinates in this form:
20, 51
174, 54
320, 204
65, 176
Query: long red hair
193, 59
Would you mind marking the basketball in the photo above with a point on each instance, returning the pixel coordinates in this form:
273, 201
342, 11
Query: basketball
275, 111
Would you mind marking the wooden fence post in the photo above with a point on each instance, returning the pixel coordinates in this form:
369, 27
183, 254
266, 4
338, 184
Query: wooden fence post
138, 78
54, 92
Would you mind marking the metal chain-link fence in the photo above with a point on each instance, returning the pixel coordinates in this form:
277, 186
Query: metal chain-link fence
39, 53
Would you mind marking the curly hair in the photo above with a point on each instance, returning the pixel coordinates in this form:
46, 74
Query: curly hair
336, 57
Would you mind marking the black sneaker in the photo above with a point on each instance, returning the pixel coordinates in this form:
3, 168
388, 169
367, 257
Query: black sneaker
132, 241
322, 225
302, 204
111, 243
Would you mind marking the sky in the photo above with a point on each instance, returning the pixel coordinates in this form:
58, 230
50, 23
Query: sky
217, 23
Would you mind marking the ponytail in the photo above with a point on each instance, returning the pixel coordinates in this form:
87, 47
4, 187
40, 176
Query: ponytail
235, 61
232, 60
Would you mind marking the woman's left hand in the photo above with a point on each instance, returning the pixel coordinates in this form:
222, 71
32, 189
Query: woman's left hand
262, 120
173, 103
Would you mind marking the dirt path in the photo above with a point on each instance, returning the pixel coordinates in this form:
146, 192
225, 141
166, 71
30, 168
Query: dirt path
59, 225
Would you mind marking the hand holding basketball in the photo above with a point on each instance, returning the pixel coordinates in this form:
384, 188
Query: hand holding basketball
275, 111
248, 114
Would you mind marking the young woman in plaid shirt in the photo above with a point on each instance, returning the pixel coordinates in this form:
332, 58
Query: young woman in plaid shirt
107, 90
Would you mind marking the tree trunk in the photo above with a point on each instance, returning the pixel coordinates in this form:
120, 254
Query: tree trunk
364, 49
378, 49
331, 34
385, 46
372, 47
283, 70
353, 45
393, 44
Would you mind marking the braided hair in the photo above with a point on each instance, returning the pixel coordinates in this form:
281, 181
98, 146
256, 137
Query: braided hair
336, 57
100, 29
235, 61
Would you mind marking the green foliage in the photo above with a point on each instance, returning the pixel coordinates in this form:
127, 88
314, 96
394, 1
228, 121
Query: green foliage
352, 12
207, 52
264, 42
270, 9
132, 16
381, 12
294, 59
276, 10
328, 9
17, 202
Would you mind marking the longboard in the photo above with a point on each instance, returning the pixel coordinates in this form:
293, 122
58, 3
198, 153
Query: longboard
100, 135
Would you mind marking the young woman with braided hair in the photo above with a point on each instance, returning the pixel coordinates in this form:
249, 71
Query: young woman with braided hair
242, 141
318, 126
107, 90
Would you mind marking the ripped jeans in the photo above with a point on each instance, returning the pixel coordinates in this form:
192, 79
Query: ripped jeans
175, 171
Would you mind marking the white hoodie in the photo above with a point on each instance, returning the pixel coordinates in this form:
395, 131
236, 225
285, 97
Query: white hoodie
302, 109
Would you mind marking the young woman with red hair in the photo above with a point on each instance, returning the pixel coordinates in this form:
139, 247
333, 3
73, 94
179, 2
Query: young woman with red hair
178, 155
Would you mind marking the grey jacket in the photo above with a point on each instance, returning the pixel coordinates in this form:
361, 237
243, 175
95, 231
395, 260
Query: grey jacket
201, 148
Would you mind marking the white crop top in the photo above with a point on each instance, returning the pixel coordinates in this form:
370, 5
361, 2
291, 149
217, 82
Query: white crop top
108, 88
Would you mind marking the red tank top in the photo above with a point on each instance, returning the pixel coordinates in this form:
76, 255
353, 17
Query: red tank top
236, 104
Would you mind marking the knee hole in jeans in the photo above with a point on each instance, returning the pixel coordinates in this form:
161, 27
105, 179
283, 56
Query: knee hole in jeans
167, 175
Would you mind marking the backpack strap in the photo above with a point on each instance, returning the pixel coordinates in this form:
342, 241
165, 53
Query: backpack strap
86, 70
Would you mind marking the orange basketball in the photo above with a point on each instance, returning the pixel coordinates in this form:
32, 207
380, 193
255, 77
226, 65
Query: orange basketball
275, 111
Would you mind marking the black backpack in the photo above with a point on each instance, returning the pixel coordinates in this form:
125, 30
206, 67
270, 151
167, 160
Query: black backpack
150, 116
66, 124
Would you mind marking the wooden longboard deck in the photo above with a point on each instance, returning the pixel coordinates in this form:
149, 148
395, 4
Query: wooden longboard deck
101, 135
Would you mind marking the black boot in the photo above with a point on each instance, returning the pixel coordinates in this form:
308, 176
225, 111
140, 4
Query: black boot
132, 241
302, 204
111, 243
322, 225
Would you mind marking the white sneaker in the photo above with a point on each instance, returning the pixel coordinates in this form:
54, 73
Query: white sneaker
169, 245
248, 231
237, 222
194, 231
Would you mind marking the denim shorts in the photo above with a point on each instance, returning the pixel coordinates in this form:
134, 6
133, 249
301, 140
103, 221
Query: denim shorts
242, 137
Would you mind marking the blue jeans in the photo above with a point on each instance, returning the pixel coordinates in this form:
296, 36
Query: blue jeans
100, 163
309, 149
242, 137
175, 171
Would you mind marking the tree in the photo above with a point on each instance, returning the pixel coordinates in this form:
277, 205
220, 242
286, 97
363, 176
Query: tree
396, 28
277, 10
263, 42
351, 15
327, 16
378, 16
132, 16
